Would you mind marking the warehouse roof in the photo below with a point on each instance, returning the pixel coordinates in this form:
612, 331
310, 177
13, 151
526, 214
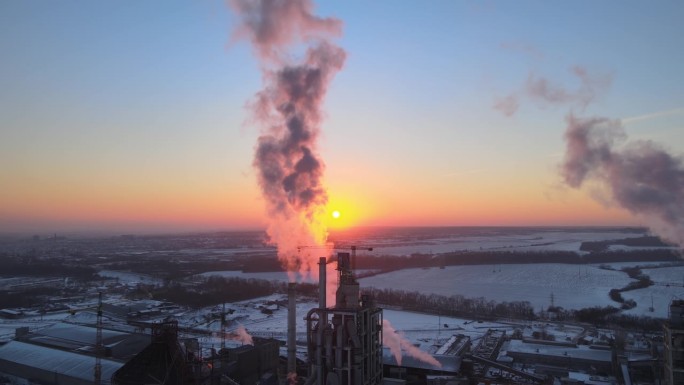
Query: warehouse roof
23, 360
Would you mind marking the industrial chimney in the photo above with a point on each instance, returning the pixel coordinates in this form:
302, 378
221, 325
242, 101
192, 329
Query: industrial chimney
291, 328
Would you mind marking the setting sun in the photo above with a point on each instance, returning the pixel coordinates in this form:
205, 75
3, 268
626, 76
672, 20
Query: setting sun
335, 214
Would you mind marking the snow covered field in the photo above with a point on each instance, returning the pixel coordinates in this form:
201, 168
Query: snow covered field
669, 282
573, 286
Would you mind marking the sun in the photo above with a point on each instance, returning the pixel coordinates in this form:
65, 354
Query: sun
335, 214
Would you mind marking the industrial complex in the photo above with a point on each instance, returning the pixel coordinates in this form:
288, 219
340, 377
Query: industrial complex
291, 338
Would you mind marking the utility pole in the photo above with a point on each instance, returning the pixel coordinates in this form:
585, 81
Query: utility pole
98, 342
223, 328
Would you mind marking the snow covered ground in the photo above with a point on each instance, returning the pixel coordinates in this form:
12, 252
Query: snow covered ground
668, 285
573, 286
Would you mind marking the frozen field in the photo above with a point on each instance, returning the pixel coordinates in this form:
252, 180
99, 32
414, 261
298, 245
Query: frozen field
573, 286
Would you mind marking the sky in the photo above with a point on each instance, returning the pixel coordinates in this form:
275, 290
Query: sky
132, 116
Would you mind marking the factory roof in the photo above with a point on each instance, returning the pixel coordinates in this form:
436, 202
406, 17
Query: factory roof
82, 338
23, 359
79, 334
580, 352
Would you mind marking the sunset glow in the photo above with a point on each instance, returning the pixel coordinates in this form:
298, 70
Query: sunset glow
154, 130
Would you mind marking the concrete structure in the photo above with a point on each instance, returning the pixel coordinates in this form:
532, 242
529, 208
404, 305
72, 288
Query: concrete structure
674, 344
291, 328
345, 341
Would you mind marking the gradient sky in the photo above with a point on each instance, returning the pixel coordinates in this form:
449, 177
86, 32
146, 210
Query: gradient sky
130, 116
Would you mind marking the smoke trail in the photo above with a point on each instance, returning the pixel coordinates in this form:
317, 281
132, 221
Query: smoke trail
642, 177
290, 171
398, 344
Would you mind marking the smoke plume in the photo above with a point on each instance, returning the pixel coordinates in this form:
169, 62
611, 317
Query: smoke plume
540, 89
543, 91
399, 345
508, 105
641, 176
288, 108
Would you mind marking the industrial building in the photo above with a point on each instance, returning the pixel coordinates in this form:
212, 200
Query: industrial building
344, 341
674, 344
44, 365
64, 354
81, 339
169, 360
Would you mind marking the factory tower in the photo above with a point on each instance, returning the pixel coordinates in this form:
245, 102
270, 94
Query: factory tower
345, 340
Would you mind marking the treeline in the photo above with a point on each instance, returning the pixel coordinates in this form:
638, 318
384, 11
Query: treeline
501, 257
507, 257
642, 281
26, 298
609, 316
29, 267
216, 290
480, 308
645, 241
455, 305
174, 269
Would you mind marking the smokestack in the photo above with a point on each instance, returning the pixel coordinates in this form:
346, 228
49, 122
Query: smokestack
322, 283
291, 329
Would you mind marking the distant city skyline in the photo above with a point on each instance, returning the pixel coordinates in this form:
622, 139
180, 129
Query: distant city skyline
131, 116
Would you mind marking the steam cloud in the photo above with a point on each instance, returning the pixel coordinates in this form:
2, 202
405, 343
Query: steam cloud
290, 171
399, 345
641, 176
242, 336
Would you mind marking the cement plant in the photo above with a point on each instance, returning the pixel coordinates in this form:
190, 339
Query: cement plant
218, 309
